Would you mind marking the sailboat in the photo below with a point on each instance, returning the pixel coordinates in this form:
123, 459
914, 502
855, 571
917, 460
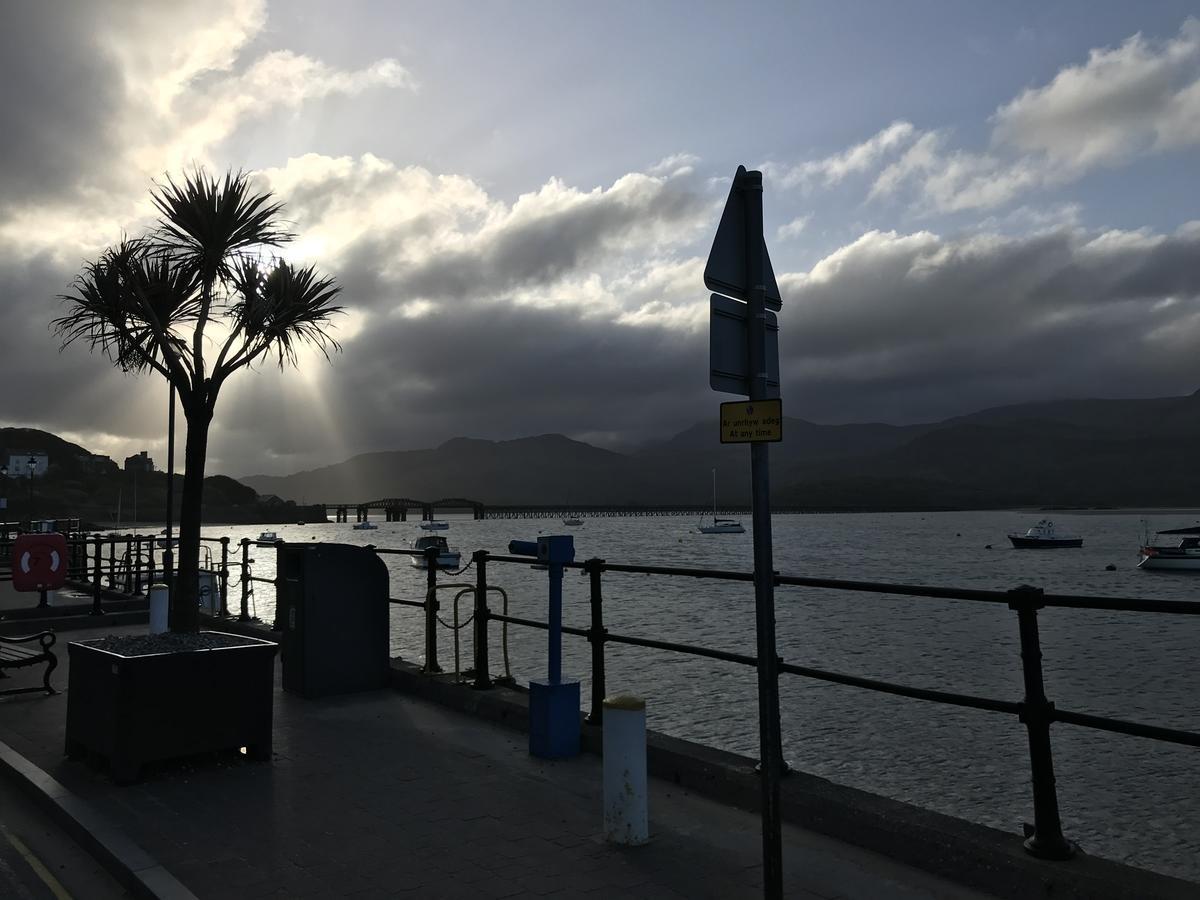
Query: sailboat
720, 526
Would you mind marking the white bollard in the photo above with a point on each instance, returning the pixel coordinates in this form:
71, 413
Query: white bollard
158, 608
625, 818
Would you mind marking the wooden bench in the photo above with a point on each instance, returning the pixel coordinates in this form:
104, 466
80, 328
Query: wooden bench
15, 656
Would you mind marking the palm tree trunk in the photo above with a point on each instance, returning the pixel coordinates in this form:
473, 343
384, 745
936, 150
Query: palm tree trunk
185, 598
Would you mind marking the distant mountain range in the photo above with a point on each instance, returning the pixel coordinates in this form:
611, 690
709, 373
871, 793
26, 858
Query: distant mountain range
1077, 453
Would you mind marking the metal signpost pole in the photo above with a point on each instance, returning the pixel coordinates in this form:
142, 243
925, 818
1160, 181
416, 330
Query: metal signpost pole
744, 359
764, 578
169, 552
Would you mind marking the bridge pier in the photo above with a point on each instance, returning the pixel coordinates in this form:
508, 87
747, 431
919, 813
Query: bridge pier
427, 512
339, 514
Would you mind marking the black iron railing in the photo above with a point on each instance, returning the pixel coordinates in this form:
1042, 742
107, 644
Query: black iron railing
1034, 710
125, 562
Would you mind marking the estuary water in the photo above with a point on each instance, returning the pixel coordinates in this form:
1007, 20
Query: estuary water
1123, 798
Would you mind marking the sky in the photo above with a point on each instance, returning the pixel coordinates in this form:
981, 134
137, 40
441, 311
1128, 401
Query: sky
966, 205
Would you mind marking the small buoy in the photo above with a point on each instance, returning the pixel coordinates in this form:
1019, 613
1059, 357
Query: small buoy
988, 547
958, 534
1110, 568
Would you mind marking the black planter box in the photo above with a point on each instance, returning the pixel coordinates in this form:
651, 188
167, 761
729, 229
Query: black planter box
138, 709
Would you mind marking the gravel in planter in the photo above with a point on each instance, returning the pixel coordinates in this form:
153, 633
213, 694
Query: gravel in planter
167, 642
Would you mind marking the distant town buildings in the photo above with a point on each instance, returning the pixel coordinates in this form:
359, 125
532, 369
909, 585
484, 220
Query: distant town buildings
18, 463
139, 462
96, 463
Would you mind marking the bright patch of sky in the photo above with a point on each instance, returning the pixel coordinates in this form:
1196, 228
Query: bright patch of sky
510, 189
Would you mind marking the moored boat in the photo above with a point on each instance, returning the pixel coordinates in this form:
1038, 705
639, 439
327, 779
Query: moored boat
434, 525
447, 558
1045, 536
1181, 557
365, 526
572, 520
719, 526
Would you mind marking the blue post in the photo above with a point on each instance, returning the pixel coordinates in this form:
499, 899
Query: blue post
553, 703
555, 654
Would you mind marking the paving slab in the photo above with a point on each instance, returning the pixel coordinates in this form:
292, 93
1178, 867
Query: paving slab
384, 795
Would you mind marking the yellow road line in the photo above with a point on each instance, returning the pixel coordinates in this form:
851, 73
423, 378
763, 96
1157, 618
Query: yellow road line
55, 886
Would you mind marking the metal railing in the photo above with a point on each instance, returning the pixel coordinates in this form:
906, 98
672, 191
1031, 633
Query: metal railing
96, 559
1035, 711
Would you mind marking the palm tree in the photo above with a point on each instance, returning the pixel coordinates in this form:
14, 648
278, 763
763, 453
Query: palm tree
199, 287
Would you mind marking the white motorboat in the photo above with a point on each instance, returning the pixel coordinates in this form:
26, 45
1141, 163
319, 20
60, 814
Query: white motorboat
1181, 557
572, 520
268, 536
433, 525
447, 558
719, 526
365, 526
1044, 536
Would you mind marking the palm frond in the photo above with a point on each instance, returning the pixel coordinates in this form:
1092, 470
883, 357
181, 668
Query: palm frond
286, 308
127, 303
210, 221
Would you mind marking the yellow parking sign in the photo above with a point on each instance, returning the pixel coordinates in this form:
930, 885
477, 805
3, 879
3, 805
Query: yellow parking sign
751, 421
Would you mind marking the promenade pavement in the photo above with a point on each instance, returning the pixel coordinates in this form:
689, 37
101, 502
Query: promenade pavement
382, 795
40, 861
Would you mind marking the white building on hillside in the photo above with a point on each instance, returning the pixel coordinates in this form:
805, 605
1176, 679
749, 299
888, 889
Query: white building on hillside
18, 463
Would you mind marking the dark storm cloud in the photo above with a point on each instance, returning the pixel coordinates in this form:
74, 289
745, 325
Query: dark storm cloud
73, 390
487, 370
58, 94
896, 328
915, 327
542, 249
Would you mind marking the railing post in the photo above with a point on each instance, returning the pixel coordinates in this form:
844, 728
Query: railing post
431, 611
135, 559
96, 609
225, 575
278, 583
482, 676
1045, 840
596, 637
245, 616
112, 562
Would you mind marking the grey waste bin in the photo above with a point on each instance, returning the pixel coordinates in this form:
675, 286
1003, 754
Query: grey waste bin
332, 610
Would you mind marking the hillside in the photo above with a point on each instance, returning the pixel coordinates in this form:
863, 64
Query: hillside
1058, 453
77, 485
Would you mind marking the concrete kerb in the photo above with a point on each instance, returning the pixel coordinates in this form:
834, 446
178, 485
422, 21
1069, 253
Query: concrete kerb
127, 862
976, 856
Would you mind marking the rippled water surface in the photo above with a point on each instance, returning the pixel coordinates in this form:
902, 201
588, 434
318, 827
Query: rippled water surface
1124, 798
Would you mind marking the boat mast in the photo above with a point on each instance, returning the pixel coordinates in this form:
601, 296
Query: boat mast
714, 474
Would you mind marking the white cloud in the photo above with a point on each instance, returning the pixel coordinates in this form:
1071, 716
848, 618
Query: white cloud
854, 160
793, 228
1140, 97
677, 164
403, 234
177, 80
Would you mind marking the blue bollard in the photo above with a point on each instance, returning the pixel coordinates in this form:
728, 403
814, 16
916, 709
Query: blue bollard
553, 703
